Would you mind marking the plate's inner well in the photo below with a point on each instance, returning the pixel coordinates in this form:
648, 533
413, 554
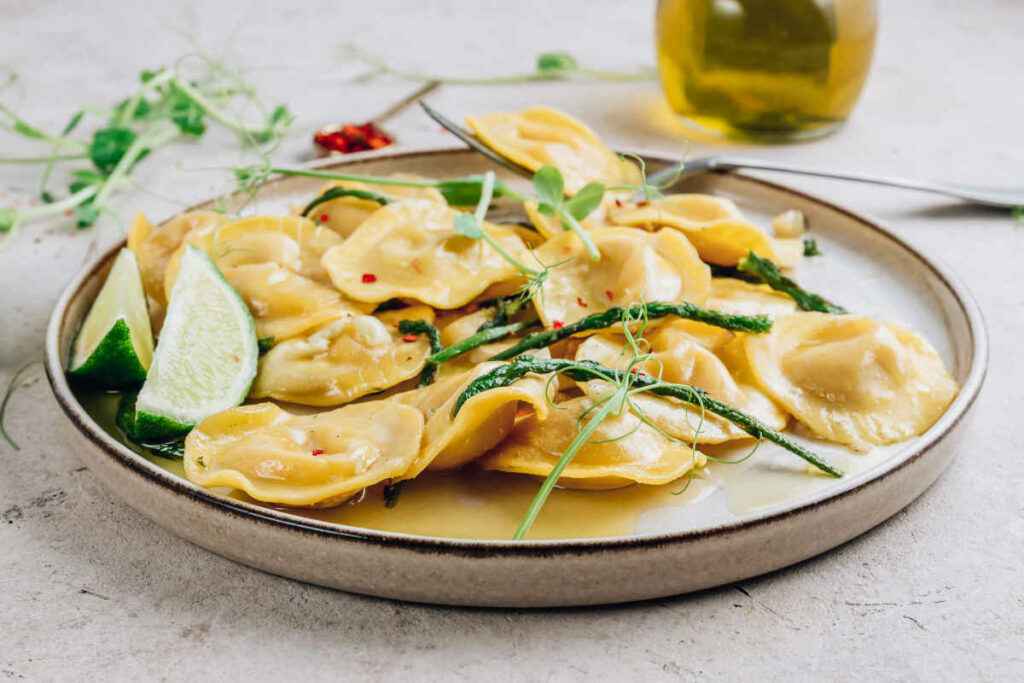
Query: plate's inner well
863, 269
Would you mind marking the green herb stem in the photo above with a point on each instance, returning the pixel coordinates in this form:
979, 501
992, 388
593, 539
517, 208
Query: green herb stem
551, 480
43, 160
656, 309
582, 371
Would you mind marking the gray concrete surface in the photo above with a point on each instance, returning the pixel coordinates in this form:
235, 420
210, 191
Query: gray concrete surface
91, 590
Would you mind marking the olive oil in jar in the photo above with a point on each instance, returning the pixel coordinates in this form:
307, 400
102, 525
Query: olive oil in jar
765, 69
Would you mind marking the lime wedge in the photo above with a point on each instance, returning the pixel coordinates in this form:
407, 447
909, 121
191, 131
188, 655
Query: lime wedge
115, 345
206, 357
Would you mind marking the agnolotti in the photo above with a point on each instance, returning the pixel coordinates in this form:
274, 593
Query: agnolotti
730, 295
409, 249
635, 266
541, 136
851, 379
715, 226
482, 422
274, 263
675, 357
344, 214
317, 460
622, 451
343, 360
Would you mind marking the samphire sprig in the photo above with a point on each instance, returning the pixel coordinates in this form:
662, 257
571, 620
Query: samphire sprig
754, 324
588, 370
166, 106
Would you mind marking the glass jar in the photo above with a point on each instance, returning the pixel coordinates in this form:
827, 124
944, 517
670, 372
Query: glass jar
771, 70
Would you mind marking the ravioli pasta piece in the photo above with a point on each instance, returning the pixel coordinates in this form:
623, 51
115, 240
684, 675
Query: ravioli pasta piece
296, 243
343, 360
541, 136
677, 359
409, 249
634, 266
283, 304
622, 451
154, 247
714, 225
851, 379
744, 298
345, 214
316, 460
482, 422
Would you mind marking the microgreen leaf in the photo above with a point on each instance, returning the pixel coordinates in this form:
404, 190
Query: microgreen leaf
86, 215
1018, 213
811, 247
556, 64
8, 217
549, 186
188, 116
583, 203
76, 118
109, 145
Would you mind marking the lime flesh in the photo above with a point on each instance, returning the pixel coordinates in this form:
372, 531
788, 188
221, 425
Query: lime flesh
206, 357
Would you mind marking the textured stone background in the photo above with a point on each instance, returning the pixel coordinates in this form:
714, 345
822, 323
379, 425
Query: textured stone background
90, 589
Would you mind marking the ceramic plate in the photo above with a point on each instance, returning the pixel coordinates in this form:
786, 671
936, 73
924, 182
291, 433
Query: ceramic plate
737, 521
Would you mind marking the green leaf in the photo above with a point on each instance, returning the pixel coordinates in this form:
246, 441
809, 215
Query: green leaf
466, 191
85, 215
8, 217
549, 185
583, 203
466, 225
556, 64
186, 114
83, 179
109, 146
47, 197
265, 344
1018, 213
146, 75
28, 130
76, 118
281, 116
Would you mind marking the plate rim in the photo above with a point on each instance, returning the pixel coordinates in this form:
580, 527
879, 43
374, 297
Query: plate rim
496, 548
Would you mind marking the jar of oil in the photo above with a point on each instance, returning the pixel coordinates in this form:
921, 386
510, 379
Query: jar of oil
771, 70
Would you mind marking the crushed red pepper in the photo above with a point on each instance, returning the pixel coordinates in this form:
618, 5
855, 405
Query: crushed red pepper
410, 338
557, 324
352, 137
610, 294
369, 278
580, 302
324, 218
318, 451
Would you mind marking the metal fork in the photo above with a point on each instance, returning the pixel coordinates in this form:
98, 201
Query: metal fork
985, 196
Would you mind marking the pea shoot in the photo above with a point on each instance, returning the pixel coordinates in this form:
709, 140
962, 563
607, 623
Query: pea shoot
167, 106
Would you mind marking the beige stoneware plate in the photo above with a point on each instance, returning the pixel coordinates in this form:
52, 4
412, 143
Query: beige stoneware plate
736, 523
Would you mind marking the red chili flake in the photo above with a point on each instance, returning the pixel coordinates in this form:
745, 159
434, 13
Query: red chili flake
635, 369
618, 203
557, 324
581, 303
410, 338
318, 451
369, 278
610, 294
324, 217
642, 202
352, 137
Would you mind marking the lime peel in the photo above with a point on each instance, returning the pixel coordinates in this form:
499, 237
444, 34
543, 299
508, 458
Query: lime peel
114, 347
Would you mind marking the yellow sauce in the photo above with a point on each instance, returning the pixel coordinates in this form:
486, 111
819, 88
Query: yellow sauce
473, 504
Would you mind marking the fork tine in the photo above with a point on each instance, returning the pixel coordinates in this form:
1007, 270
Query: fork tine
471, 141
